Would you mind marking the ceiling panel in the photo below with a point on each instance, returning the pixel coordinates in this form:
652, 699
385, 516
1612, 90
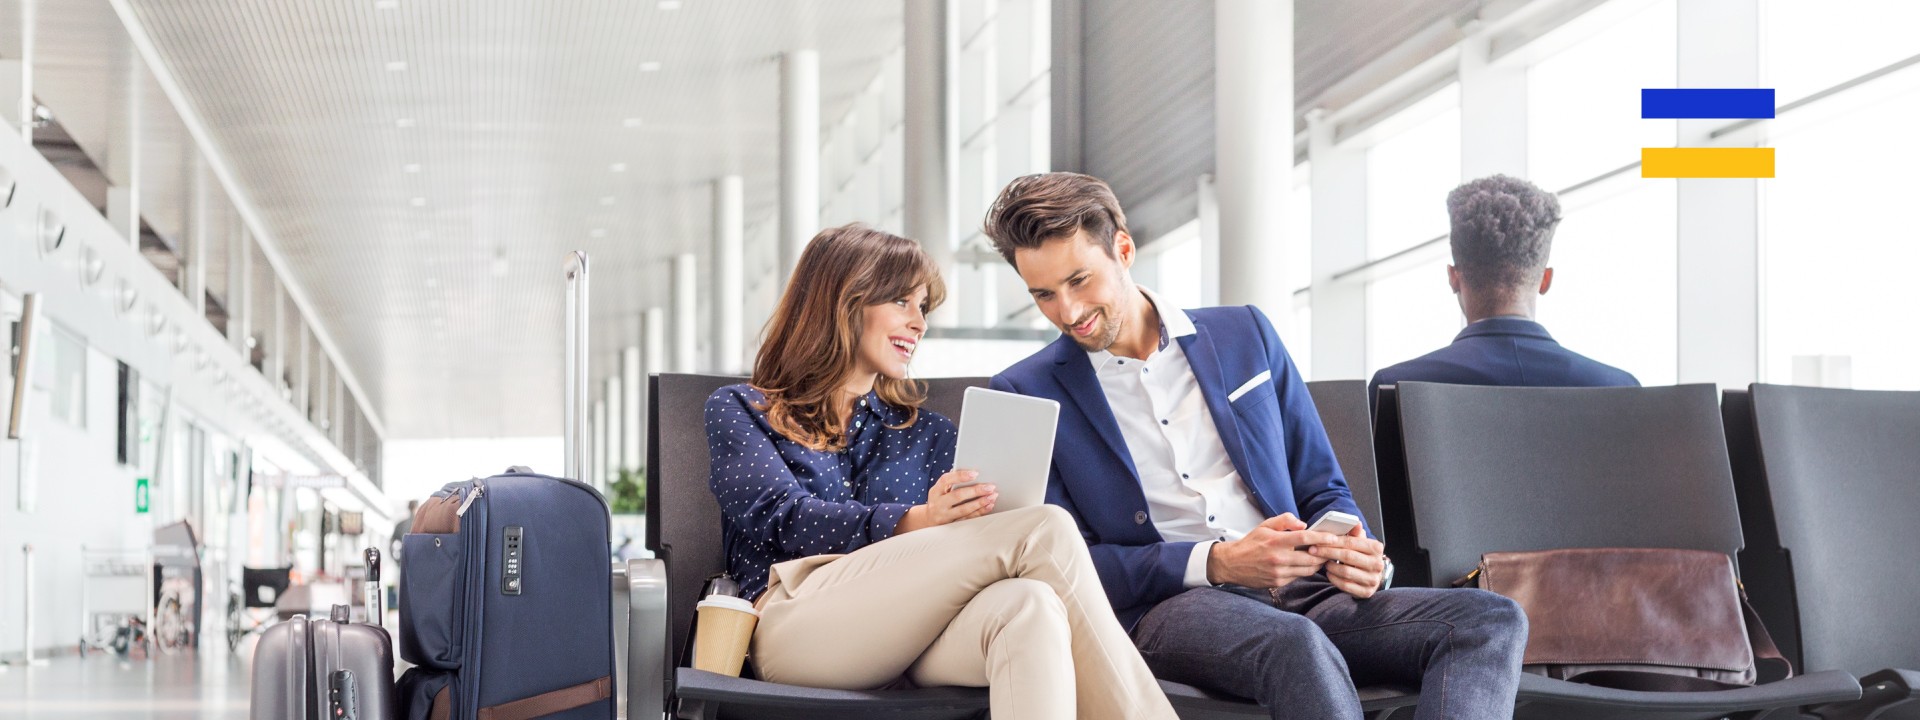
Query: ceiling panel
396, 150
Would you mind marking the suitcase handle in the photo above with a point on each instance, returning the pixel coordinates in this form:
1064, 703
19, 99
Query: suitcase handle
577, 402
376, 605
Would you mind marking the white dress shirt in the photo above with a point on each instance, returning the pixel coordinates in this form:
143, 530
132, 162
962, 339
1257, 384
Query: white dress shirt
1193, 492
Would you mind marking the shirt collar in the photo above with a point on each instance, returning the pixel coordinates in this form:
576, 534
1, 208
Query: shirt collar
1504, 325
1174, 324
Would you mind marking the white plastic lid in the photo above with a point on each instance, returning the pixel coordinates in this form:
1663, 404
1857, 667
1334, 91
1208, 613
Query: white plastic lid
729, 602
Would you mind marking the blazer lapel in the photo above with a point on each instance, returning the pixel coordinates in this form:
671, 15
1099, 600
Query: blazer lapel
1075, 373
1213, 386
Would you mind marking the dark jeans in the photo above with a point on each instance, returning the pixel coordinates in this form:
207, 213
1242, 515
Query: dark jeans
1299, 650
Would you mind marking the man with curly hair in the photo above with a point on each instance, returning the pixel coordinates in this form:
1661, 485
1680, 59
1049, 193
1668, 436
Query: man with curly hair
1502, 233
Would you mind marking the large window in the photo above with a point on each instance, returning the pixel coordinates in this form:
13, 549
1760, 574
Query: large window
1410, 313
67, 383
1410, 171
1839, 244
1410, 310
1614, 284
1583, 103
1811, 46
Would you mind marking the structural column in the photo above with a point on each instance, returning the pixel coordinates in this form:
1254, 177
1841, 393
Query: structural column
931, 140
194, 282
124, 152
1719, 218
1493, 113
239, 290
613, 427
276, 365
729, 274
1339, 243
799, 155
1253, 94
630, 399
686, 314
653, 349
16, 76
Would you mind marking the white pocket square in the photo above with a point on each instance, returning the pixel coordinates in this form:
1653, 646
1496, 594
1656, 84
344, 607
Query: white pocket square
1257, 380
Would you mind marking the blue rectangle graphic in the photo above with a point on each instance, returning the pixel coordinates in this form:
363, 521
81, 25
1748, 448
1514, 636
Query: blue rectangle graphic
1706, 103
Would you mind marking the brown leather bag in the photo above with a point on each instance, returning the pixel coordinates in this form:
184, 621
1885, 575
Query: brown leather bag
1635, 618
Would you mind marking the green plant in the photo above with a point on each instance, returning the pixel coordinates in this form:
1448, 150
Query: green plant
630, 492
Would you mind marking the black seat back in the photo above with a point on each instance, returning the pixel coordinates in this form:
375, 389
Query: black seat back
1494, 469
1841, 472
683, 519
1343, 410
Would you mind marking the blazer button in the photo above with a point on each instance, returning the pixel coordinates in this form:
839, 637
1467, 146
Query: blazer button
1140, 518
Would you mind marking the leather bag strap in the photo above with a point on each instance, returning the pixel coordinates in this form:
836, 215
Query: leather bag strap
548, 703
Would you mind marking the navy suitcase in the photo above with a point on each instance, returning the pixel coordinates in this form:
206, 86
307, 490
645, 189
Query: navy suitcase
505, 602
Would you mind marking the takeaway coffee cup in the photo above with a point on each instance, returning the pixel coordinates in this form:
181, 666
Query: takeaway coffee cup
725, 628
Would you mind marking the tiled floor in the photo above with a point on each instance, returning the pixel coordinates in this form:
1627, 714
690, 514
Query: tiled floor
102, 687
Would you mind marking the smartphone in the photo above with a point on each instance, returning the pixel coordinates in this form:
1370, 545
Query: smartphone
1335, 522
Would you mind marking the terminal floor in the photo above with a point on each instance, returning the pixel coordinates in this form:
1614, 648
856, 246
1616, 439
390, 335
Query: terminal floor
102, 687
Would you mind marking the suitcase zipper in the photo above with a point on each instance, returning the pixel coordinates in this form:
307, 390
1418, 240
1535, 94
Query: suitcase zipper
467, 503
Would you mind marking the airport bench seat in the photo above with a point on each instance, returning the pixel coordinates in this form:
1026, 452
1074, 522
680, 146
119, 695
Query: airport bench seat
683, 528
1483, 469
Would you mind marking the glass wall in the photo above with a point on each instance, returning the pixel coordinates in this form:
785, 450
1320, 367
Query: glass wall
1838, 232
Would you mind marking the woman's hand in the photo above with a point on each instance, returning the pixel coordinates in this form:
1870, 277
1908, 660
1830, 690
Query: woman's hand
945, 503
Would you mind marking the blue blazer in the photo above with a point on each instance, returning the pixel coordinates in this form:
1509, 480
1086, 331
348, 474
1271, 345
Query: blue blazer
1272, 434
1504, 351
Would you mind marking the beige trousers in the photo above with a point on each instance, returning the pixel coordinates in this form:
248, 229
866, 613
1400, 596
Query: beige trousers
1008, 601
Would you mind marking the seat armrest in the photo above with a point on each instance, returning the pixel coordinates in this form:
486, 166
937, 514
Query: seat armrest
1881, 692
646, 627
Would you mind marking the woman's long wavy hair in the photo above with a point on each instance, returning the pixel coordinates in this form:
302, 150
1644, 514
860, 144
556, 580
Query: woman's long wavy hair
814, 333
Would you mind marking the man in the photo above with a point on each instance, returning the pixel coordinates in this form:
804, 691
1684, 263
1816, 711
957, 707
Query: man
1189, 452
1502, 232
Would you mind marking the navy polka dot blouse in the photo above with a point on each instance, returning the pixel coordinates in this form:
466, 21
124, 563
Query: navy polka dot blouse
781, 501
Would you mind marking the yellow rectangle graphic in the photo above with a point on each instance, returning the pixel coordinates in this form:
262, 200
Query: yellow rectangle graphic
1706, 162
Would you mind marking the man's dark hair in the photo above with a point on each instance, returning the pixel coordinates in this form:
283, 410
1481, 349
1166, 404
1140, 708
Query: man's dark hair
1502, 232
1036, 208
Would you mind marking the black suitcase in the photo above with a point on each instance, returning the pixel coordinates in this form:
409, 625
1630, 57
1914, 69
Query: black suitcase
331, 669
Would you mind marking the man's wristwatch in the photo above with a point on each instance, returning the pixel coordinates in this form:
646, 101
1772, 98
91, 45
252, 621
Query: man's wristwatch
1386, 575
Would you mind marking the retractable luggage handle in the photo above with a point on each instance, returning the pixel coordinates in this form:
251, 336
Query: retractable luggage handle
376, 605
576, 404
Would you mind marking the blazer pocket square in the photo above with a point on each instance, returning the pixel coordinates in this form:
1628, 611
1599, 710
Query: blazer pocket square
1257, 381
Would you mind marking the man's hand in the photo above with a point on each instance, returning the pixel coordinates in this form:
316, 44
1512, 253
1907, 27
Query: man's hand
1355, 562
946, 504
1267, 557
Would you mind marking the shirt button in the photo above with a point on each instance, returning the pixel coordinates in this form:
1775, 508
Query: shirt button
1210, 518
1140, 517
1163, 421
1184, 476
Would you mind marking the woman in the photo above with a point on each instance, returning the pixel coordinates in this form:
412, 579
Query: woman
843, 519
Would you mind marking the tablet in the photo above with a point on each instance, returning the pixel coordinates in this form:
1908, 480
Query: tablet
1008, 439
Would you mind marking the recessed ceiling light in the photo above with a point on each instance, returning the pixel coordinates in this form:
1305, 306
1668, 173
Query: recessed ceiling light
617, 167
650, 66
606, 200
403, 122
669, 4
411, 167
631, 122
419, 202
396, 65
597, 233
